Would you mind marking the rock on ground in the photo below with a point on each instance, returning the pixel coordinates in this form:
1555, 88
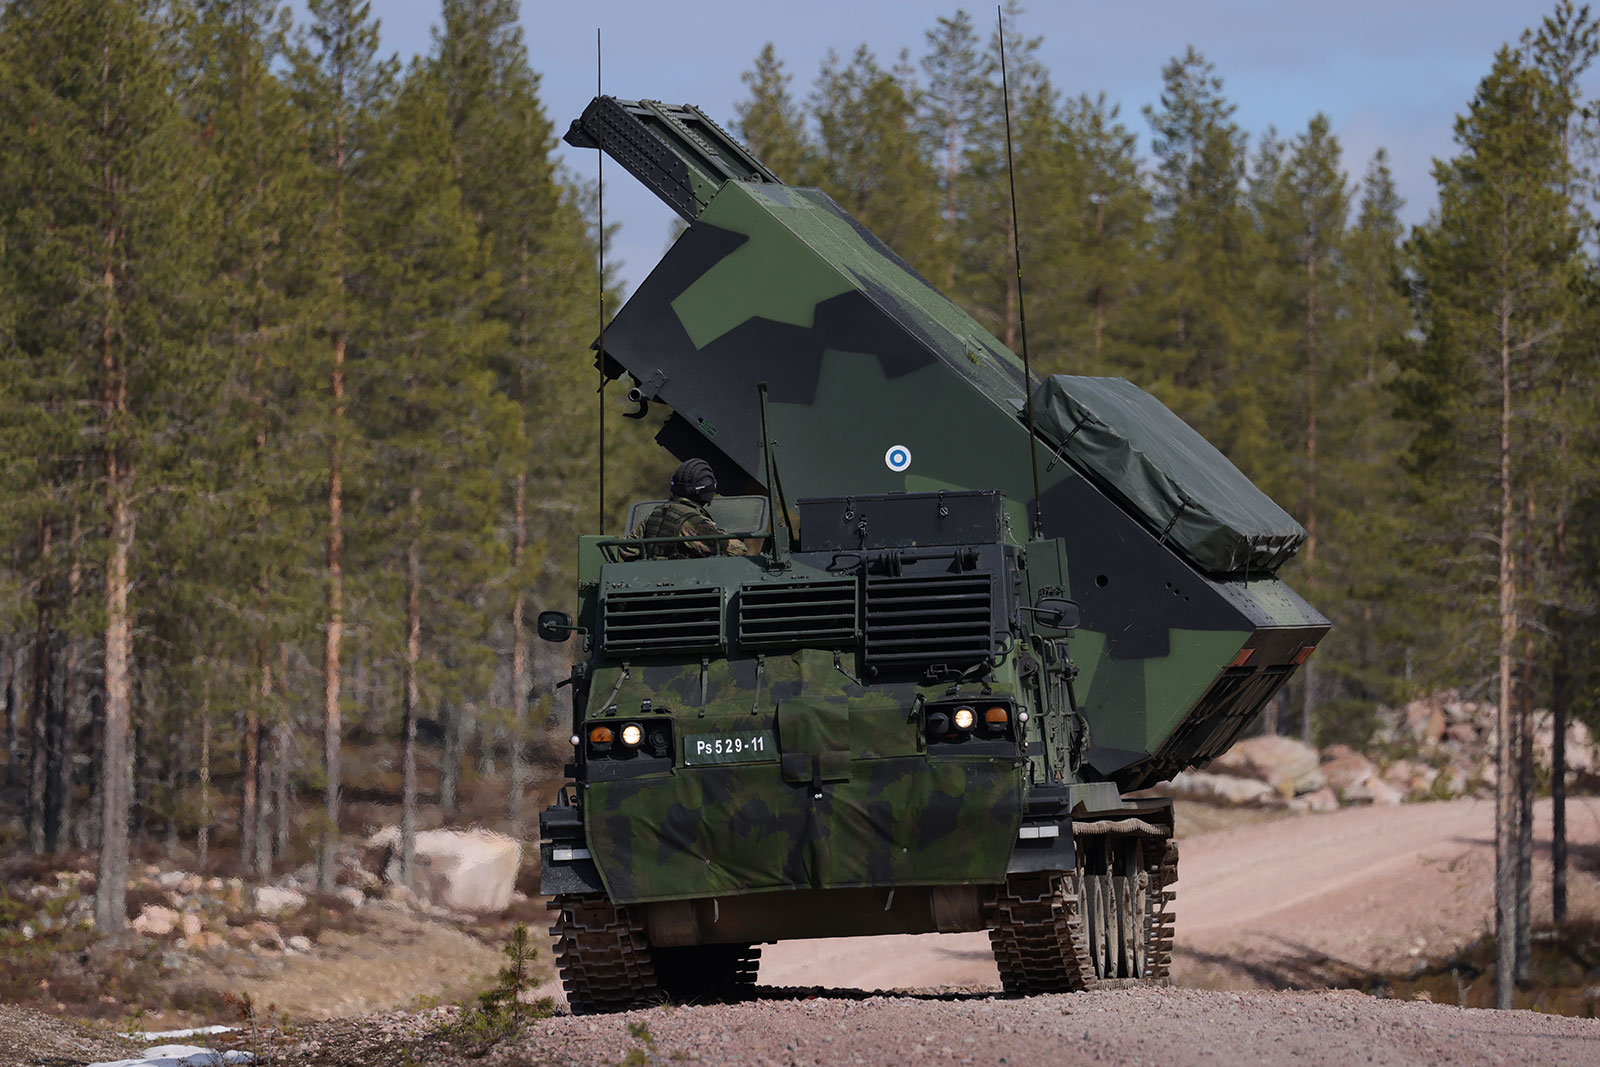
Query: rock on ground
1290, 766
464, 870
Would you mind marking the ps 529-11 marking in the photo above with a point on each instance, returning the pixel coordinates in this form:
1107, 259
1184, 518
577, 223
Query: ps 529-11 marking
748, 746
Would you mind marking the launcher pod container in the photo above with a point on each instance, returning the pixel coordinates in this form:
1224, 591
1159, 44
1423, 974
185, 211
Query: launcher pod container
883, 730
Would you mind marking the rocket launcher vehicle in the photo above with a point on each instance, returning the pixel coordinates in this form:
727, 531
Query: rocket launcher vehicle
879, 383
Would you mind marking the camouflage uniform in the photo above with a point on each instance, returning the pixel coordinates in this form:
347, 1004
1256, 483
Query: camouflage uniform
685, 518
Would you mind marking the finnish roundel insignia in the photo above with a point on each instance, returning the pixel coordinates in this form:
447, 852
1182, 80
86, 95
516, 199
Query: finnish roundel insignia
898, 458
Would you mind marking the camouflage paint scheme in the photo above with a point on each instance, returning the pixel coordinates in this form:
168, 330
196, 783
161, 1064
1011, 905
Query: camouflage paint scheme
851, 797
777, 284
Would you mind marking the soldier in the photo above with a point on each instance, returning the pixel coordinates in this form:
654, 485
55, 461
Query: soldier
687, 515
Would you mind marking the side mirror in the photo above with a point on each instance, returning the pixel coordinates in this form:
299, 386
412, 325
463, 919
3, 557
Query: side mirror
1059, 613
554, 626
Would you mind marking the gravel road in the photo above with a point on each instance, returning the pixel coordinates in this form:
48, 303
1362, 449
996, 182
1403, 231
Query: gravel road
1155, 1027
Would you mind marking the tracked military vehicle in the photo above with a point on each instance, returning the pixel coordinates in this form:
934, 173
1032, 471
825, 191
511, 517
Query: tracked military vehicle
922, 708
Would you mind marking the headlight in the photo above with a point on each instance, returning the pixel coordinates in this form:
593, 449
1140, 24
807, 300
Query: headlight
632, 735
964, 718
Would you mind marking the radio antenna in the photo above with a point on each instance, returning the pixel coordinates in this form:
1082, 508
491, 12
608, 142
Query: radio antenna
1016, 249
600, 184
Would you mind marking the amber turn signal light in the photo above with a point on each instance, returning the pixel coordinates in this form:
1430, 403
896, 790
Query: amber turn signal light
600, 735
996, 716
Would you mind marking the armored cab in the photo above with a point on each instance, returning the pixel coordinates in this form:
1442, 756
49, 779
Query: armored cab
921, 715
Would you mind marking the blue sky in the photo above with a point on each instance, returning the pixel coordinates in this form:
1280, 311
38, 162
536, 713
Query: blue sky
1391, 73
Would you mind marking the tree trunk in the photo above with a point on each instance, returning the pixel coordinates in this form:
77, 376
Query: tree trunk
38, 712
66, 712
282, 751
116, 770
519, 660
413, 656
59, 817
1560, 694
202, 837
250, 770
1504, 793
327, 857
1309, 711
8, 663
450, 758
1525, 813
261, 834
1560, 713
88, 827
57, 769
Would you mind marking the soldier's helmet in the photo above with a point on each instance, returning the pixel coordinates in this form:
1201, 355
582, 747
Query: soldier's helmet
694, 480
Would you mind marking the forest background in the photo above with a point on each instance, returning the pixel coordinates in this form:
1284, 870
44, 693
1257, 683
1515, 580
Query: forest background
298, 417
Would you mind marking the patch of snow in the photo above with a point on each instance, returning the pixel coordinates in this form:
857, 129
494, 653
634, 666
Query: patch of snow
193, 1031
181, 1056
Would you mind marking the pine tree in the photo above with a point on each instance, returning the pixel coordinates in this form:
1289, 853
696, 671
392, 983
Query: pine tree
869, 155
1365, 507
503, 145
341, 85
1563, 47
951, 108
770, 123
261, 187
103, 229
1304, 209
1202, 275
1495, 266
430, 411
1092, 213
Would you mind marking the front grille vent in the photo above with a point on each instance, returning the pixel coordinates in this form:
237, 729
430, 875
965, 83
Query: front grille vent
934, 623
797, 614
662, 620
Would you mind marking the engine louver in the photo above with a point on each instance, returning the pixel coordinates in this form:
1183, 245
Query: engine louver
797, 614
928, 622
663, 620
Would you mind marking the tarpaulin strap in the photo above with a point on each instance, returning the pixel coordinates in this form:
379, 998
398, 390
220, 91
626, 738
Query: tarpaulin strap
1184, 505
1066, 442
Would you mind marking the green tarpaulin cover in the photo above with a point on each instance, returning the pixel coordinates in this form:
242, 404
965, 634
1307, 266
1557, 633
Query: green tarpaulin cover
1187, 492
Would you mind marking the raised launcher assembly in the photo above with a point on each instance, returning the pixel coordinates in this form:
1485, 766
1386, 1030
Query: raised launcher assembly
879, 383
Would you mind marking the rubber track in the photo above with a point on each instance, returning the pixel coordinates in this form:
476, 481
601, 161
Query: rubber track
602, 954
1038, 937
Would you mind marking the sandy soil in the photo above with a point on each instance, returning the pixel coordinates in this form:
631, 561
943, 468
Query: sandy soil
399, 960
